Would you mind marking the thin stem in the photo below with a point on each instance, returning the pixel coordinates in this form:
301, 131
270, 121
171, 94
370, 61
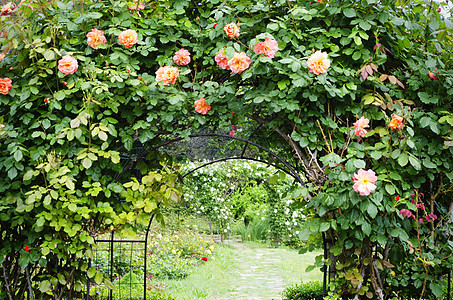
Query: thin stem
5, 276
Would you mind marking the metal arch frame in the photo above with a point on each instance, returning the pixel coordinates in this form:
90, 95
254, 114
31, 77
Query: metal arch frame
289, 170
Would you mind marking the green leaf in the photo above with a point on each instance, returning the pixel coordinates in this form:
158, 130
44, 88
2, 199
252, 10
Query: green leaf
272, 26
18, 155
390, 189
403, 159
86, 163
429, 164
396, 153
229, 52
349, 12
28, 175
415, 162
72, 207
372, 210
364, 25
359, 164
366, 228
102, 135
98, 278
12, 173
49, 54
60, 95
324, 226
436, 289
75, 123
44, 286
91, 272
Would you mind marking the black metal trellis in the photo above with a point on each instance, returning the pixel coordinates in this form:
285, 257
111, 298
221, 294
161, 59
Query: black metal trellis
131, 166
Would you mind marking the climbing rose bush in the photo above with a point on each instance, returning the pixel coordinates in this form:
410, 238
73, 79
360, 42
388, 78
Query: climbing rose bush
70, 130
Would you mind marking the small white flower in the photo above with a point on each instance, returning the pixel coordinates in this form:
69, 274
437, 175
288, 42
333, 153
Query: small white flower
297, 232
225, 230
262, 218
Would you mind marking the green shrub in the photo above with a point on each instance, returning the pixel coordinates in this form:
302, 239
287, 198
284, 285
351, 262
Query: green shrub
311, 290
257, 230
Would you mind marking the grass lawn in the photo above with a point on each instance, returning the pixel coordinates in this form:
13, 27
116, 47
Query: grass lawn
245, 271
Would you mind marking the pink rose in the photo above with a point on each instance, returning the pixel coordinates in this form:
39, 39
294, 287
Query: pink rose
68, 65
95, 37
318, 63
364, 182
239, 62
360, 125
167, 74
222, 61
182, 57
231, 30
269, 47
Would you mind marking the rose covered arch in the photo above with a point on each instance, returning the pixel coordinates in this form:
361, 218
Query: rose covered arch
82, 82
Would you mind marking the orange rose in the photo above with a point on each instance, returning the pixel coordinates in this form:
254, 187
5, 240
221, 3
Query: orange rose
231, 30
318, 63
239, 62
5, 85
167, 74
396, 122
201, 106
128, 38
2, 56
95, 37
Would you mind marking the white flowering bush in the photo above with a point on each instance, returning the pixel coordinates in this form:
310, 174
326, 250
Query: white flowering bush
244, 191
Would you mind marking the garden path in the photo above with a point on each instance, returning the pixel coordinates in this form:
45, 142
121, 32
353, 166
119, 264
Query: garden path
259, 276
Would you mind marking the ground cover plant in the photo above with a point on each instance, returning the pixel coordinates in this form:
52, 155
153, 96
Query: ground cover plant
355, 95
